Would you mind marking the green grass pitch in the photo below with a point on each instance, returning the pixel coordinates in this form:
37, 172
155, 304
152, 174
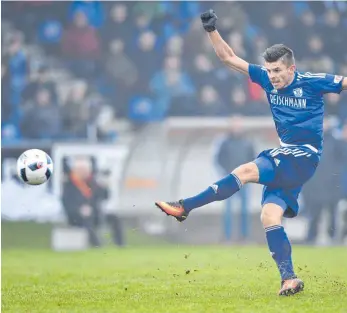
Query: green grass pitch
170, 279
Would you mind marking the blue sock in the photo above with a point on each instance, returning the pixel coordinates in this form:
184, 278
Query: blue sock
281, 250
220, 190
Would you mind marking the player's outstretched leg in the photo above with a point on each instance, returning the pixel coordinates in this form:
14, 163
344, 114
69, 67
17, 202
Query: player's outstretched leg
280, 248
218, 191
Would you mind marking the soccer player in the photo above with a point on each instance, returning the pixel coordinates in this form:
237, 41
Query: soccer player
297, 107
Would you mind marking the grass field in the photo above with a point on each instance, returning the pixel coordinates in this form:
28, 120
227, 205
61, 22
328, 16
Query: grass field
170, 279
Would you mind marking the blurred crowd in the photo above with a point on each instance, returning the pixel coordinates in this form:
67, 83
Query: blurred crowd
72, 69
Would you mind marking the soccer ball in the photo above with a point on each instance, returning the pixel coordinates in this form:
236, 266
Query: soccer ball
34, 167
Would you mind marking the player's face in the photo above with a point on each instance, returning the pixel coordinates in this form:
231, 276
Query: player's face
280, 74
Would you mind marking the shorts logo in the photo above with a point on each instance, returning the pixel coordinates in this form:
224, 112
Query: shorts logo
337, 79
298, 92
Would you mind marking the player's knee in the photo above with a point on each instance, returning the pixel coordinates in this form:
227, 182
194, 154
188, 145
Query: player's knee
271, 215
247, 173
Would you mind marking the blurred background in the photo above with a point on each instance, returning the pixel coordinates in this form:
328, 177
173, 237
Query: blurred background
133, 106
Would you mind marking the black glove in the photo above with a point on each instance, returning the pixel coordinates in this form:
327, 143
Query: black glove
209, 19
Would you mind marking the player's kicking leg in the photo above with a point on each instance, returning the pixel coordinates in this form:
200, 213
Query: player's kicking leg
218, 191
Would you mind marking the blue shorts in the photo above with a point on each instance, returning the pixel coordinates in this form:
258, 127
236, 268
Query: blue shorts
283, 172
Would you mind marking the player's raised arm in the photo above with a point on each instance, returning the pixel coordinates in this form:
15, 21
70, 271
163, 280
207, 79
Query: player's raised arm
224, 52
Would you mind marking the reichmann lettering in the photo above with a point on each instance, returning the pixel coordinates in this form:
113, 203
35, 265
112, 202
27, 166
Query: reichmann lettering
288, 101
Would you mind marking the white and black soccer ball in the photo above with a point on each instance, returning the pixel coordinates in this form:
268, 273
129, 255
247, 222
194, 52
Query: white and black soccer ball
34, 167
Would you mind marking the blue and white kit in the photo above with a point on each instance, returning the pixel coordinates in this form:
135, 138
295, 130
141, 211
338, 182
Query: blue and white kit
298, 112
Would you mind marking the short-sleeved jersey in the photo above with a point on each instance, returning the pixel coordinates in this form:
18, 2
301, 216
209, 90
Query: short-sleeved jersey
298, 109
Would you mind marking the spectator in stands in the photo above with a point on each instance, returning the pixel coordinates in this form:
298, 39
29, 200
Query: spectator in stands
315, 60
9, 127
118, 26
231, 17
177, 18
238, 101
152, 9
334, 103
141, 111
241, 105
18, 72
174, 46
146, 58
49, 35
304, 27
260, 43
197, 42
93, 10
28, 15
122, 75
202, 69
211, 103
119, 14
41, 80
75, 111
331, 35
41, 118
236, 39
145, 47
6, 107
169, 83
81, 46
202, 64
226, 160
279, 29
142, 24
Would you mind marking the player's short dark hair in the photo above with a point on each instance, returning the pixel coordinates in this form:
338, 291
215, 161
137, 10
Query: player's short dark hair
277, 52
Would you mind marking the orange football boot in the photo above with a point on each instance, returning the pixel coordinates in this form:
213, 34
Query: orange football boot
174, 209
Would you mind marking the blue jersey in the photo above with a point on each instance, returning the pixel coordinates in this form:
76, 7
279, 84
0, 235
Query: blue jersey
298, 109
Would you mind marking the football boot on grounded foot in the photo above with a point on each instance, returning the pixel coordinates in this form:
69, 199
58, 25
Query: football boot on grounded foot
291, 287
174, 209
